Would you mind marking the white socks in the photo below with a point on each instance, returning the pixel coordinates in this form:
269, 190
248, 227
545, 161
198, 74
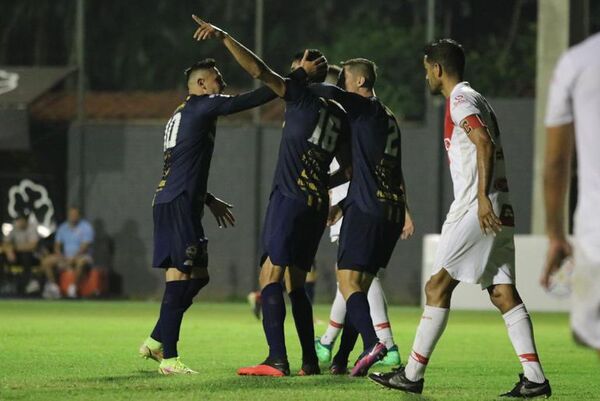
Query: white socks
432, 325
336, 319
378, 306
520, 332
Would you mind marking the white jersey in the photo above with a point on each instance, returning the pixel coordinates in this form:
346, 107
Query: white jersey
575, 97
335, 195
464, 101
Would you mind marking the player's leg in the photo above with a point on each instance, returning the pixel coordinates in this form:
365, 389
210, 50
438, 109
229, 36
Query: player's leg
303, 319
354, 285
273, 311
310, 283
337, 315
438, 293
520, 331
381, 322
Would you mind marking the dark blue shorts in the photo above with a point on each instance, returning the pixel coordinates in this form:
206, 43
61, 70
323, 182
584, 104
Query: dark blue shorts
179, 239
366, 241
291, 232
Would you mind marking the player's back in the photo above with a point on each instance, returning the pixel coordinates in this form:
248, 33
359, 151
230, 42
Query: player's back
575, 97
376, 184
313, 130
188, 148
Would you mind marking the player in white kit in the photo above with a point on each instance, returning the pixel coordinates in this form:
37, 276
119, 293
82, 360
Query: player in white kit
476, 245
573, 115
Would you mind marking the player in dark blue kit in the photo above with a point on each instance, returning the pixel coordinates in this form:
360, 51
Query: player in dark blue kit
375, 212
179, 241
313, 132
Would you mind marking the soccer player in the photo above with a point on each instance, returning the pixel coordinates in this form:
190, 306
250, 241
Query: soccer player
477, 244
375, 296
573, 116
180, 247
375, 209
298, 206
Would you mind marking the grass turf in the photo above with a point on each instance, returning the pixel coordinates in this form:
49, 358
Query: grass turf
88, 351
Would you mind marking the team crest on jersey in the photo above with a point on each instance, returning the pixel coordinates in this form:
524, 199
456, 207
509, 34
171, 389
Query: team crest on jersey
458, 99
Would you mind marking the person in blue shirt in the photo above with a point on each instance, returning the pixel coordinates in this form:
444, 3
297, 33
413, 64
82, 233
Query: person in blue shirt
72, 251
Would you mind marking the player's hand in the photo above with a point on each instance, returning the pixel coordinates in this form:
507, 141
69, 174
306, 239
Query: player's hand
409, 226
206, 30
558, 251
488, 221
221, 211
313, 68
335, 214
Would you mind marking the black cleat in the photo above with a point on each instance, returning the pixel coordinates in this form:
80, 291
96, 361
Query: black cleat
528, 389
398, 381
338, 368
309, 369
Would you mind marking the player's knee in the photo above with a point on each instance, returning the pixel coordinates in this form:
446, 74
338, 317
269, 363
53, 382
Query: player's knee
504, 297
194, 287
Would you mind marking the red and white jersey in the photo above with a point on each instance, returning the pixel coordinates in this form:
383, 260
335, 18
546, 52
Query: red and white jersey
575, 98
465, 102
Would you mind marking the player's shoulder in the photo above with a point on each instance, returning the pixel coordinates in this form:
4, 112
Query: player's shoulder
580, 56
464, 96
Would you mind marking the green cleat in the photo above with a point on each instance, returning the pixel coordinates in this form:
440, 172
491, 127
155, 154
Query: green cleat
323, 351
174, 366
392, 358
151, 349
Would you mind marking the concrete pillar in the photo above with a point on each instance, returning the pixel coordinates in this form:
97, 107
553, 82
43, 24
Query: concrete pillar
552, 40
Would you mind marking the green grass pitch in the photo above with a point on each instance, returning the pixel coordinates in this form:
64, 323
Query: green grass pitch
88, 351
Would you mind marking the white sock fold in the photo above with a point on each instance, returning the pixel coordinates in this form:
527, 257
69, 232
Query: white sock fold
520, 332
432, 325
336, 319
379, 315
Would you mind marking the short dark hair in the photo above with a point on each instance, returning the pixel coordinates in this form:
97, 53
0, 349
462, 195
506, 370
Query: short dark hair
367, 69
205, 64
449, 54
313, 54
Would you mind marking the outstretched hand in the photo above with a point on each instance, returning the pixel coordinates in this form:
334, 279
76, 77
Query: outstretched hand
221, 211
314, 68
206, 30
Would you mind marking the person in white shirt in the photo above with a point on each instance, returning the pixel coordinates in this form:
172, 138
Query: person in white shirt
573, 116
477, 241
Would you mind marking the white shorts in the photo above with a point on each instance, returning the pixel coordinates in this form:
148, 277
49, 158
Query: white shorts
471, 257
585, 299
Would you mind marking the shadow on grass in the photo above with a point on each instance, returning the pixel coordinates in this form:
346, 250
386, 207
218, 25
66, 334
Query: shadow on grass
214, 383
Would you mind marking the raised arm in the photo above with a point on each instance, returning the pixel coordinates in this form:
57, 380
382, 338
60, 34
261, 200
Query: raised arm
225, 104
250, 61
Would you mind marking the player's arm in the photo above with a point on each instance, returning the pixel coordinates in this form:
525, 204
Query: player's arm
351, 102
221, 210
478, 133
250, 61
559, 147
223, 105
409, 226
344, 157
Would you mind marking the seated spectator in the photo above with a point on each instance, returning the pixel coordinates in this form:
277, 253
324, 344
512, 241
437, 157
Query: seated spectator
72, 251
20, 246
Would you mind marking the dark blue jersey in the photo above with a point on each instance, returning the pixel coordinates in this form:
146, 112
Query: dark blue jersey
190, 137
313, 130
377, 182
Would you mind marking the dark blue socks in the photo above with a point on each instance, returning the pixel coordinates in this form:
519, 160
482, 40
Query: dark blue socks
273, 311
358, 312
303, 318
